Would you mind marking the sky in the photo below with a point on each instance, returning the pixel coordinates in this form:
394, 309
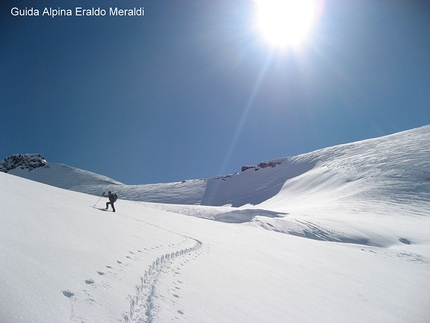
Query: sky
192, 89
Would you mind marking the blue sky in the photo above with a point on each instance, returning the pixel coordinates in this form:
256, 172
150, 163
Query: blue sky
192, 90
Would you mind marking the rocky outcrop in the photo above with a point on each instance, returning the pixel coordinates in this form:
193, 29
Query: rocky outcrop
244, 168
272, 164
23, 161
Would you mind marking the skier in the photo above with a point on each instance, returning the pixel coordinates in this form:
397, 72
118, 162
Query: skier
112, 199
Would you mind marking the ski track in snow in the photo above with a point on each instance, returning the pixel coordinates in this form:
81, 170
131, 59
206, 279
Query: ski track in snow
142, 303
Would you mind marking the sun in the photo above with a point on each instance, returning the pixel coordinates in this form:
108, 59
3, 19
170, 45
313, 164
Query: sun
286, 22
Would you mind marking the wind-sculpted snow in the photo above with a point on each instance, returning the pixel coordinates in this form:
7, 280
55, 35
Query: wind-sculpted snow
399, 162
242, 216
324, 232
389, 170
221, 214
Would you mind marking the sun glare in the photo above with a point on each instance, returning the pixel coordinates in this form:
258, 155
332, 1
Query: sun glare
286, 22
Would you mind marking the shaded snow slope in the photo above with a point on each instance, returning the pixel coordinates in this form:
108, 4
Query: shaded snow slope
237, 189
64, 176
62, 259
393, 168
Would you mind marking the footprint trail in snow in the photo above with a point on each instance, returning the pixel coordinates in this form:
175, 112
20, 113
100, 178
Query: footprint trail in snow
142, 303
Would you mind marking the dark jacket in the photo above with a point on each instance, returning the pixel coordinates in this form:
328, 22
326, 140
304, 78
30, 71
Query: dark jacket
112, 196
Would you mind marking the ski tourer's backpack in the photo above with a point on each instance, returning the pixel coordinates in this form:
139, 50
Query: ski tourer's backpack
114, 197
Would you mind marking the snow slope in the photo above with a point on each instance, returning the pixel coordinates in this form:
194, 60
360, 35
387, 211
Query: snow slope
338, 235
217, 191
64, 260
386, 168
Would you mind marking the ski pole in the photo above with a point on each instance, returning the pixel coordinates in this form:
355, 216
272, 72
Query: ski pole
97, 201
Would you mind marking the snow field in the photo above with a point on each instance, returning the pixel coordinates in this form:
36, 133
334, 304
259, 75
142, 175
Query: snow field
70, 262
256, 275
54, 242
342, 236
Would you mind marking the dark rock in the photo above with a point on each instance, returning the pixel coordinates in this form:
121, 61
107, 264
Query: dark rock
244, 168
272, 164
23, 161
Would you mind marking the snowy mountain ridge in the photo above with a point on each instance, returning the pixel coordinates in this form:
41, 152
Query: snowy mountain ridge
399, 162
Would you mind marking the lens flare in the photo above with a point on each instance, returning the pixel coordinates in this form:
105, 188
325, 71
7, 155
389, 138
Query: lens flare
286, 22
